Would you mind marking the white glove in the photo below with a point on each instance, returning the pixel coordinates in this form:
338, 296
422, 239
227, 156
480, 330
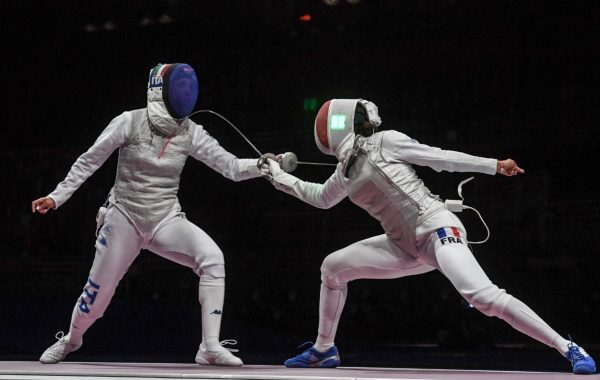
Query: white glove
263, 165
274, 166
280, 179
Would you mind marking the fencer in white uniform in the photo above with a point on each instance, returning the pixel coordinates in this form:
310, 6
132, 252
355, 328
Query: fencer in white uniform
375, 171
143, 210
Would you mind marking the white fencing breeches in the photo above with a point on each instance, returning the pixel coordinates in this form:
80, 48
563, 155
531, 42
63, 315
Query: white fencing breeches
378, 258
373, 258
120, 242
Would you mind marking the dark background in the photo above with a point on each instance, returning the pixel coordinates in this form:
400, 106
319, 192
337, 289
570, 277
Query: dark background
493, 78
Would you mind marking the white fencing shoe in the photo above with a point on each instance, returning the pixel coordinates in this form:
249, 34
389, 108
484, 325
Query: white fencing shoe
59, 350
222, 356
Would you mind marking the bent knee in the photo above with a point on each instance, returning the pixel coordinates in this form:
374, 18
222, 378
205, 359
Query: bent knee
490, 300
209, 272
331, 273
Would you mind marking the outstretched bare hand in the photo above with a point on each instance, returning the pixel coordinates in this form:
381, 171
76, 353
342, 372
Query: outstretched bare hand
509, 167
42, 205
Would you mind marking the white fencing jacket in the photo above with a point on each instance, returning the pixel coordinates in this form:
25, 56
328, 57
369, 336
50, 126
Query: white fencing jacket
383, 182
151, 158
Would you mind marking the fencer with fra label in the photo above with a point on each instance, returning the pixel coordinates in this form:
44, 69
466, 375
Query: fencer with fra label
375, 170
143, 211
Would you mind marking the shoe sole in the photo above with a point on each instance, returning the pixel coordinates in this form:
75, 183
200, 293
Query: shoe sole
584, 370
222, 364
49, 361
327, 363
213, 361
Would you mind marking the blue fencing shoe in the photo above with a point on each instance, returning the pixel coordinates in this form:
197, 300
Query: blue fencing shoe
580, 360
312, 358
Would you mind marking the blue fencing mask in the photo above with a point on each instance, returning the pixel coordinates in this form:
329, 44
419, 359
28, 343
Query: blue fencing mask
177, 85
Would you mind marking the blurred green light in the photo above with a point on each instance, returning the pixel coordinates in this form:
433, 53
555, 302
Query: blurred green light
310, 104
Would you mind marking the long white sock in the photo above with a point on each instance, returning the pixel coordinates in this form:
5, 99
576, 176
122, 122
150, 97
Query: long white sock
80, 323
525, 320
211, 293
331, 304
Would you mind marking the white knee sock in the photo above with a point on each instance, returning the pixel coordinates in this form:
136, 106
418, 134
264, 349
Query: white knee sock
211, 294
525, 320
331, 304
80, 323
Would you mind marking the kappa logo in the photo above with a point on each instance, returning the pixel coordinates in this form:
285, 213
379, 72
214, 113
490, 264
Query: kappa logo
102, 238
217, 312
449, 235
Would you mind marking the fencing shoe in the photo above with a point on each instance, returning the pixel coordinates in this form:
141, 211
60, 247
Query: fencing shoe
580, 360
312, 358
59, 350
222, 356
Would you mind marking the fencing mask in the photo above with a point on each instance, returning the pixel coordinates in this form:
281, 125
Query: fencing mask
337, 118
176, 86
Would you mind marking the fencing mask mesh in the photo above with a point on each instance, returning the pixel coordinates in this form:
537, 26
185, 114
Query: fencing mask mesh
177, 86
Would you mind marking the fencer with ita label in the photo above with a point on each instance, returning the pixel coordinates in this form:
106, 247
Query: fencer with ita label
153, 144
